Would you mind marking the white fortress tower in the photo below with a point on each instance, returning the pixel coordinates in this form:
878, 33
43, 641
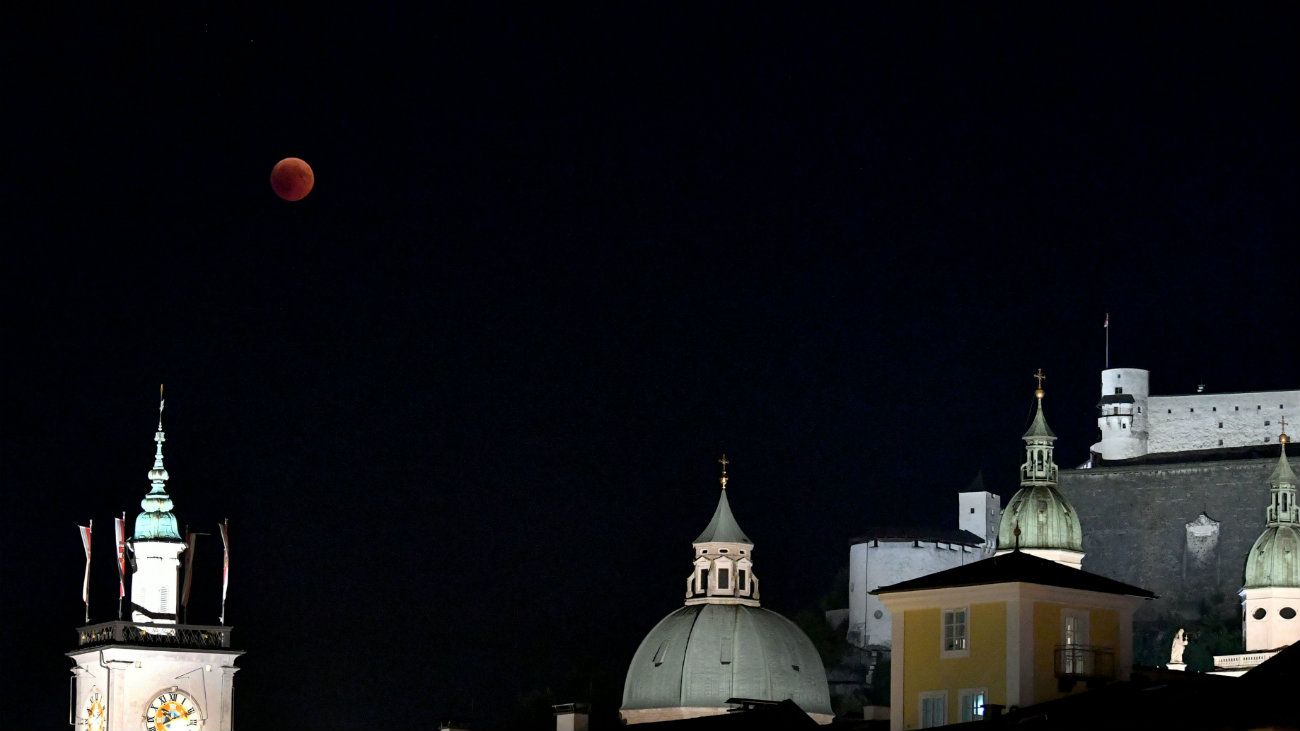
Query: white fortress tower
1133, 423
153, 673
1122, 413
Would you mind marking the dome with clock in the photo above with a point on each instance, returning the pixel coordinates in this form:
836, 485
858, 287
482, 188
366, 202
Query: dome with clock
722, 644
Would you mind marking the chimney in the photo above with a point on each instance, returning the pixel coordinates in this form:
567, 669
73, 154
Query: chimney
571, 716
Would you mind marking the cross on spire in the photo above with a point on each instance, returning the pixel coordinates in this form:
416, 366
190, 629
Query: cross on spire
724, 464
1284, 438
1041, 377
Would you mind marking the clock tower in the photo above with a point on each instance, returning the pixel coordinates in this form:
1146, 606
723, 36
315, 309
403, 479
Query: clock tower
153, 673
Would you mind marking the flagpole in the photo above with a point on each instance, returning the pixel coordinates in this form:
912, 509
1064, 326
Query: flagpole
224, 527
1107, 328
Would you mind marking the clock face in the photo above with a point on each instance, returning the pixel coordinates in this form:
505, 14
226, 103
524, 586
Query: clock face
172, 710
96, 711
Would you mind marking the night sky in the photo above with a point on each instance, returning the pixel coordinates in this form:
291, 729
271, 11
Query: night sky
463, 405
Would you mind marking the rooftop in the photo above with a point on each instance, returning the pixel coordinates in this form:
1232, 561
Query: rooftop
911, 535
1017, 567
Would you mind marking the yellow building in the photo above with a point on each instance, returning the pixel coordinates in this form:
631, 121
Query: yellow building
1011, 630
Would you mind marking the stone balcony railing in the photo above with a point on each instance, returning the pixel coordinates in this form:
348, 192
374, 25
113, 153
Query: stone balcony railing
1244, 661
195, 636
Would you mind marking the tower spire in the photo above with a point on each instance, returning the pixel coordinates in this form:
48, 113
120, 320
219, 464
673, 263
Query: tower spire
157, 521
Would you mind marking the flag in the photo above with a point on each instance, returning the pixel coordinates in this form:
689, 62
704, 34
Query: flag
85, 584
191, 541
1107, 322
120, 530
224, 527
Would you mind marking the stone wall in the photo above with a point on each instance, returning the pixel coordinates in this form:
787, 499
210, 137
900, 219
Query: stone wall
1213, 420
1142, 525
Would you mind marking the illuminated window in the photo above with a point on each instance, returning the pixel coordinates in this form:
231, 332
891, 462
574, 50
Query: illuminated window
971, 704
956, 637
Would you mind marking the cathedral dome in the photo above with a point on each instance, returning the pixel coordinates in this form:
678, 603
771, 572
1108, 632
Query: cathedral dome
1038, 519
1274, 560
1045, 518
701, 655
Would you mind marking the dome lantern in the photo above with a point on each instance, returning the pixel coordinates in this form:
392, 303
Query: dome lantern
1038, 519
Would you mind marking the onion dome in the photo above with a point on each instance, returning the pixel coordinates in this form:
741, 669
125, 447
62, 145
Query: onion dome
1046, 521
723, 644
157, 523
1274, 560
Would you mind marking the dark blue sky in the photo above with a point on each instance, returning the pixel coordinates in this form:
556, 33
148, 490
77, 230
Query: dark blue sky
462, 405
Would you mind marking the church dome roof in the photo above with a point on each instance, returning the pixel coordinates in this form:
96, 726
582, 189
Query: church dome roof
1045, 518
703, 654
1274, 560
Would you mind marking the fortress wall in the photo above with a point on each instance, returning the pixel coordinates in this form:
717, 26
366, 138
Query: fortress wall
1183, 423
1135, 526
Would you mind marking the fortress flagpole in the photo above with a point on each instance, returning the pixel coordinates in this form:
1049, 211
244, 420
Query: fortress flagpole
1106, 326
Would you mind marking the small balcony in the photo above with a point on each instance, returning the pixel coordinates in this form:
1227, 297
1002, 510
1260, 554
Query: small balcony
195, 636
1087, 663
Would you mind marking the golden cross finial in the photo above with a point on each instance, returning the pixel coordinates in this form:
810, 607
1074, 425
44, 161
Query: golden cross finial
1284, 438
724, 464
1041, 377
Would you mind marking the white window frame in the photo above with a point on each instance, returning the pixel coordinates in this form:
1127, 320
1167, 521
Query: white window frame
963, 703
942, 697
943, 640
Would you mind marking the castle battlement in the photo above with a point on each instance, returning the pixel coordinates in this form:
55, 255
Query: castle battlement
1134, 423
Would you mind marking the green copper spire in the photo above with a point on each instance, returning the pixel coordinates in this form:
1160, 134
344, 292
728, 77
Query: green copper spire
1273, 559
1039, 429
1283, 474
723, 528
157, 523
1045, 519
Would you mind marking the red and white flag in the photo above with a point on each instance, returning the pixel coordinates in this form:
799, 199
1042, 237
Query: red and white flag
224, 527
85, 584
120, 531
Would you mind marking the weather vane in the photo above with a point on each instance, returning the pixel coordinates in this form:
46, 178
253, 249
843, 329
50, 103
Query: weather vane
724, 464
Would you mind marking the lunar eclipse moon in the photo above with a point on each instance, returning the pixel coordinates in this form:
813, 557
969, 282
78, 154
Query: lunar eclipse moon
292, 179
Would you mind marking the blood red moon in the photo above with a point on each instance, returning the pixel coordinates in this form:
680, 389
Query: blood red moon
292, 179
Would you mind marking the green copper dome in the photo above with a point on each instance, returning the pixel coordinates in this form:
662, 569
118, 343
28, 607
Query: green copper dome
157, 523
1274, 560
1046, 520
701, 655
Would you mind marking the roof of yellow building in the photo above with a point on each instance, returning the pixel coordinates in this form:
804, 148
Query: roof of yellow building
1017, 567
